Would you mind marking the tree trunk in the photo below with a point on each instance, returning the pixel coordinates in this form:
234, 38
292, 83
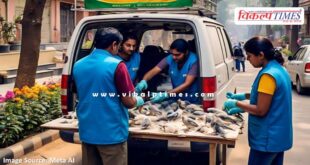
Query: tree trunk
30, 46
294, 32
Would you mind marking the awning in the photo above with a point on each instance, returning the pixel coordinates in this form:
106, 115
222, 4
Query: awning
97, 4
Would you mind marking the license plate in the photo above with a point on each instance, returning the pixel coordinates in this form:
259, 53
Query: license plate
179, 145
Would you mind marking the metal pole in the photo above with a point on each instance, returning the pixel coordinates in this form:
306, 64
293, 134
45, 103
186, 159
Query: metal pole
75, 1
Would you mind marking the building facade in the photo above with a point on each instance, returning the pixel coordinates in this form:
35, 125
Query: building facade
58, 21
305, 29
59, 16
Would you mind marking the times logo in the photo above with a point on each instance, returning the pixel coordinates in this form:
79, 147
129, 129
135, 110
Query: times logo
269, 16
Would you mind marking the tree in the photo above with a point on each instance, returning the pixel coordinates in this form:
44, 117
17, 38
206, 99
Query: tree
268, 27
31, 39
294, 33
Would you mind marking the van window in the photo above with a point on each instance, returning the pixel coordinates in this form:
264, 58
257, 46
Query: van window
227, 44
222, 42
162, 38
216, 45
88, 39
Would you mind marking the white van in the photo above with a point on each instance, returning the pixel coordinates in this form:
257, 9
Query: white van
155, 32
207, 38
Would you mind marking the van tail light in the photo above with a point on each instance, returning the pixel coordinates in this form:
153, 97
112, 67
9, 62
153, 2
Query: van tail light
307, 68
209, 89
64, 96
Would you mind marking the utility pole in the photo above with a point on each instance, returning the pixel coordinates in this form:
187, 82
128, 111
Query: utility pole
75, 1
294, 32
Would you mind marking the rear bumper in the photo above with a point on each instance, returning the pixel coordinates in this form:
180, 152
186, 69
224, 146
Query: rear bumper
306, 80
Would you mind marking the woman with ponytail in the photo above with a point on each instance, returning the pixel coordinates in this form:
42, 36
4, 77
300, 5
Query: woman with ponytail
270, 130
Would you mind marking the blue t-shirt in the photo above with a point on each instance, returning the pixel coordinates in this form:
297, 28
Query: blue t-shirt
178, 77
132, 65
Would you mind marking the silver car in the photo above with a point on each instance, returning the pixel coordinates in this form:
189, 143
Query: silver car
298, 67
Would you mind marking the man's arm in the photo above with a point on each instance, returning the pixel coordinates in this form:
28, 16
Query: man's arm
190, 78
124, 85
264, 100
262, 107
157, 69
188, 81
150, 74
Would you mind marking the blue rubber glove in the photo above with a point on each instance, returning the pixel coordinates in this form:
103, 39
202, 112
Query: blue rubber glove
159, 97
230, 103
237, 96
139, 100
142, 85
235, 110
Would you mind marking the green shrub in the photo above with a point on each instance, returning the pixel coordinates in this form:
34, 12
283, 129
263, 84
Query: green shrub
29, 108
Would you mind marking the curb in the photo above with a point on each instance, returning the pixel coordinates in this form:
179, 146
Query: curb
70, 136
28, 145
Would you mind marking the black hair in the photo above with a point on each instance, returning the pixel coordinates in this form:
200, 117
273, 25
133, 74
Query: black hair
258, 44
129, 36
106, 36
126, 38
180, 45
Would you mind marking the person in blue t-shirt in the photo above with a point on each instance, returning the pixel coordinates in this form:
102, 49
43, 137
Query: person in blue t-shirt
183, 71
103, 120
129, 54
270, 108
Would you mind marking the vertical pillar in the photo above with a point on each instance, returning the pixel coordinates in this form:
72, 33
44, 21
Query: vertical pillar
55, 21
2, 9
11, 10
308, 23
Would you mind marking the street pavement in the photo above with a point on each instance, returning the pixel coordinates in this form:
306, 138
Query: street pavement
236, 156
298, 155
57, 152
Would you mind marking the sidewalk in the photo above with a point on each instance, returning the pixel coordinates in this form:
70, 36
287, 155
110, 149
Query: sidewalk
239, 155
57, 152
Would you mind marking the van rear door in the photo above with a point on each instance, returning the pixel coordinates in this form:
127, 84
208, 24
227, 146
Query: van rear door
226, 46
220, 62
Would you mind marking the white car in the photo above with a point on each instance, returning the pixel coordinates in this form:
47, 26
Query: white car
298, 67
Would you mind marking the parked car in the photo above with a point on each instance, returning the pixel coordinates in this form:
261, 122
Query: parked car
207, 38
298, 67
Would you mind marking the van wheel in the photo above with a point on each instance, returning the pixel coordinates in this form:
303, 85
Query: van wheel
299, 88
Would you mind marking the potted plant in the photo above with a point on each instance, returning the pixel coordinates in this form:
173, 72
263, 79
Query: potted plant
7, 34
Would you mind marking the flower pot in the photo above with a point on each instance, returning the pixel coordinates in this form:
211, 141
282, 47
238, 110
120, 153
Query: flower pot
15, 47
4, 48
